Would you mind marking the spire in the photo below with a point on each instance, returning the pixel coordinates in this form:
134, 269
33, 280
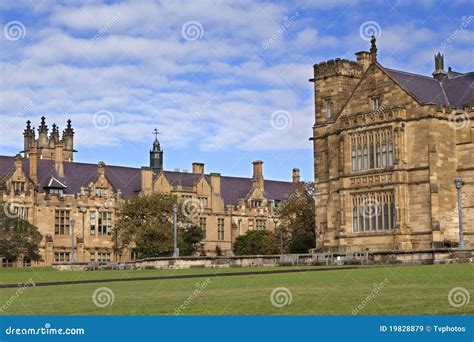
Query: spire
439, 72
373, 50
43, 127
156, 155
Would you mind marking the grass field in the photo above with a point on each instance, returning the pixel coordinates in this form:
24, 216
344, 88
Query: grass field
382, 290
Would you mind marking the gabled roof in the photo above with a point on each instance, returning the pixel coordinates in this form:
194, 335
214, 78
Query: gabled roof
452, 91
55, 184
128, 180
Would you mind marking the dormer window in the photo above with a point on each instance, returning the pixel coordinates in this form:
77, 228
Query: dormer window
55, 187
18, 186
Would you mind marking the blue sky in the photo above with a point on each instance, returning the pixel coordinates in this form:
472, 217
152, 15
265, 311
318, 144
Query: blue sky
226, 82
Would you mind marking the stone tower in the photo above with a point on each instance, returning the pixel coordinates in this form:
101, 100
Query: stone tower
52, 147
156, 156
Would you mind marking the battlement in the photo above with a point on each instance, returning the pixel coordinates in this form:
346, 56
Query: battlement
337, 67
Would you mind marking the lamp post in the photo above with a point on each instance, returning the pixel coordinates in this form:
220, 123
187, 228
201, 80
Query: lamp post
459, 183
72, 240
275, 221
175, 231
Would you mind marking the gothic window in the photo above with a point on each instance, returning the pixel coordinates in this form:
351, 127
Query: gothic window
62, 257
359, 158
355, 227
92, 222
377, 156
371, 150
203, 224
104, 225
365, 158
390, 153
202, 202
384, 155
373, 211
354, 159
18, 186
375, 103
328, 108
61, 222
371, 156
261, 224
220, 229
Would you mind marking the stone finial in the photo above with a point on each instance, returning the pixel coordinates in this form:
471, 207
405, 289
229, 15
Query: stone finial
373, 50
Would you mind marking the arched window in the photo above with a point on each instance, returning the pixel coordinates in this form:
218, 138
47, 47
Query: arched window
354, 219
377, 156
384, 155
392, 215
359, 158
366, 163
390, 153
354, 159
385, 216
361, 218
371, 156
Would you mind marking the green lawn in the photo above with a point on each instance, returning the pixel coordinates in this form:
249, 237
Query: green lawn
406, 290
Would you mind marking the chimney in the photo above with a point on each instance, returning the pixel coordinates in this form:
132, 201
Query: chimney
58, 159
198, 168
216, 183
439, 72
18, 163
296, 175
363, 58
33, 155
146, 176
257, 179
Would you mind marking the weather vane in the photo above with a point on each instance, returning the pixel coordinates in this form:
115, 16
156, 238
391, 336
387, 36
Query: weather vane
155, 132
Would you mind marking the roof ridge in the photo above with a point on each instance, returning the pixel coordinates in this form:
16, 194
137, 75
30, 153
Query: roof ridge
412, 73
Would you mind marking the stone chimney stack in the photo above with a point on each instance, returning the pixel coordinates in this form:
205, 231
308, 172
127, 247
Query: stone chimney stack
58, 159
198, 168
33, 155
296, 175
146, 176
363, 58
257, 179
439, 72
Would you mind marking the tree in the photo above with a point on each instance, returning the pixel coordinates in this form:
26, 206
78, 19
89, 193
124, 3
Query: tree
18, 237
147, 222
256, 242
189, 240
298, 219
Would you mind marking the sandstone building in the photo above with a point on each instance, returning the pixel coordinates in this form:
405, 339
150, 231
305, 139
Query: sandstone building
59, 196
388, 146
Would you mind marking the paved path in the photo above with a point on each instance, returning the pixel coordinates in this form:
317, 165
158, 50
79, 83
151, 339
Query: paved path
184, 276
